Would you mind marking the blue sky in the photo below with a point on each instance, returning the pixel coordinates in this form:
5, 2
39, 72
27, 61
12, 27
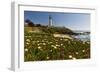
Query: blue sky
74, 21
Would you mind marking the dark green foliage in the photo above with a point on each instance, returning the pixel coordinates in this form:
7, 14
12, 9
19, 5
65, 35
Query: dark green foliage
60, 30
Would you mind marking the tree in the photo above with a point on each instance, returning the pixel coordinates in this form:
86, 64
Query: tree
38, 25
30, 23
27, 21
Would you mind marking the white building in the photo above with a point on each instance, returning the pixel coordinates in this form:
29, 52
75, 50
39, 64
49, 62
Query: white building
50, 21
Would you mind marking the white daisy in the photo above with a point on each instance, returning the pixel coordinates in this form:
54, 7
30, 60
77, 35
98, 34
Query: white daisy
39, 47
29, 36
65, 39
88, 42
76, 52
70, 56
47, 57
28, 40
38, 44
37, 41
61, 44
44, 43
27, 43
52, 45
51, 50
61, 39
26, 49
83, 50
74, 58
57, 45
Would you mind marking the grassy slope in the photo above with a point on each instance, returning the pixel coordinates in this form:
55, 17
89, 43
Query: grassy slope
51, 30
43, 46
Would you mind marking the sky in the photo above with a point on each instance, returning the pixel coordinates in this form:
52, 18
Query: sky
73, 21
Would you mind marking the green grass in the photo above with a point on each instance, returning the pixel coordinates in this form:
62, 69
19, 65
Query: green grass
43, 46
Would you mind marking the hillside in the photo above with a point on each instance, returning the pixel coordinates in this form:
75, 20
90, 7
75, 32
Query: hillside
51, 30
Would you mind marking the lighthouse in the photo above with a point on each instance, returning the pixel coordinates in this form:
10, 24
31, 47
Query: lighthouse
50, 21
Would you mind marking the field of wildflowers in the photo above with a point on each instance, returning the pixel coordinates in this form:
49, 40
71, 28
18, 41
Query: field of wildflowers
44, 46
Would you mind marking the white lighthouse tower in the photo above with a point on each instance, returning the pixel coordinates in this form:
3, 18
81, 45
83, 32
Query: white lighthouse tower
50, 21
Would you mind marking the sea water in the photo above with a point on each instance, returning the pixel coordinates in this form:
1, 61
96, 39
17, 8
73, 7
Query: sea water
85, 37
82, 37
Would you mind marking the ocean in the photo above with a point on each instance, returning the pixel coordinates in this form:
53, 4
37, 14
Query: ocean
82, 37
